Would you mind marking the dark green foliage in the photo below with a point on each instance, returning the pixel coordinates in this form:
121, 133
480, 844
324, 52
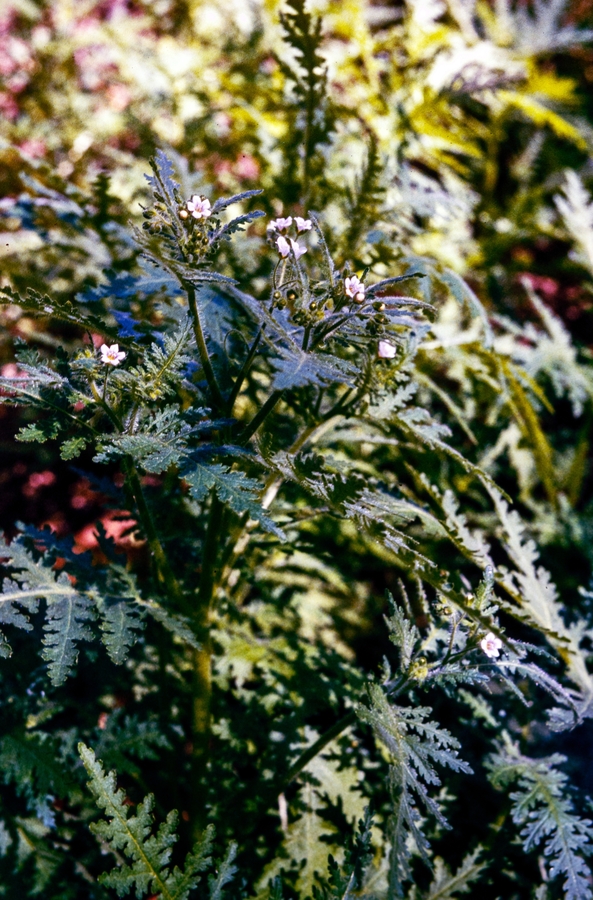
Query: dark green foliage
149, 869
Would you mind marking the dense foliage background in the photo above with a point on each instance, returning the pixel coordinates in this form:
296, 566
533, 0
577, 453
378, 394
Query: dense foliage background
249, 487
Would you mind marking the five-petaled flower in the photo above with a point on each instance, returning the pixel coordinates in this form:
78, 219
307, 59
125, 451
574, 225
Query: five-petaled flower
199, 207
111, 356
285, 246
354, 288
280, 224
491, 645
303, 224
386, 350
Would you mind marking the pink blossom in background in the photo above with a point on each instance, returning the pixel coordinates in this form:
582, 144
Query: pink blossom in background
386, 350
8, 106
34, 147
118, 96
38, 480
247, 167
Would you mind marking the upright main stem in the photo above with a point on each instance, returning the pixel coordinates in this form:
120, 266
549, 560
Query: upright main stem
202, 670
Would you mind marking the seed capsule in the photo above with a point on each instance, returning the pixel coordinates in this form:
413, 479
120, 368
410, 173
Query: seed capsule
379, 305
276, 295
183, 214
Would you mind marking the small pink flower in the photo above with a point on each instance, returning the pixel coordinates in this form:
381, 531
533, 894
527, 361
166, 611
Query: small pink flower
386, 350
199, 207
303, 224
354, 288
111, 356
297, 249
280, 224
491, 645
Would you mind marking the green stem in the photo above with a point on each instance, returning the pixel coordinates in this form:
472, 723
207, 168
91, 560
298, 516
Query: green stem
321, 742
244, 370
164, 573
260, 416
202, 348
202, 671
163, 570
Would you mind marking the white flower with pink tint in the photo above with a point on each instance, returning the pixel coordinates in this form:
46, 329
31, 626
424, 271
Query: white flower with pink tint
199, 207
303, 224
111, 356
283, 246
280, 224
354, 288
386, 350
297, 249
491, 645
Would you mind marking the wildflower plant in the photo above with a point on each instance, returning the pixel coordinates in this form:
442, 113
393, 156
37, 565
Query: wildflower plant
324, 645
239, 461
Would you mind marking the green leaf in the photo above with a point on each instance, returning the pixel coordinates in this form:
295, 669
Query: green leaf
149, 853
68, 611
233, 488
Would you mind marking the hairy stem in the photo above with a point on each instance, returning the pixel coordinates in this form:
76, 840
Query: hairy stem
202, 348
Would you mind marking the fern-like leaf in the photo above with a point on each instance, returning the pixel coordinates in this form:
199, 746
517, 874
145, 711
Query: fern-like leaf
68, 611
149, 868
546, 816
416, 744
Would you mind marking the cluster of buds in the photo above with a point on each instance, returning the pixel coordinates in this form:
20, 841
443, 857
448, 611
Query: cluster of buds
195, 214
157, 217
419, 669
354, 288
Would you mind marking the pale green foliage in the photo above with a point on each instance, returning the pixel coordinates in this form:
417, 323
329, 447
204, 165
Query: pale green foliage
415, 744
546, 815
446, 885
303, 838
576, 208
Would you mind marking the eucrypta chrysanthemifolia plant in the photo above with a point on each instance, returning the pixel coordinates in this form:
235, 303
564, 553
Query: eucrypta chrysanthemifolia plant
249, 429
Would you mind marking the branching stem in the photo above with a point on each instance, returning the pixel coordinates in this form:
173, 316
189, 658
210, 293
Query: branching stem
321, 742
244, 370
259, 417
